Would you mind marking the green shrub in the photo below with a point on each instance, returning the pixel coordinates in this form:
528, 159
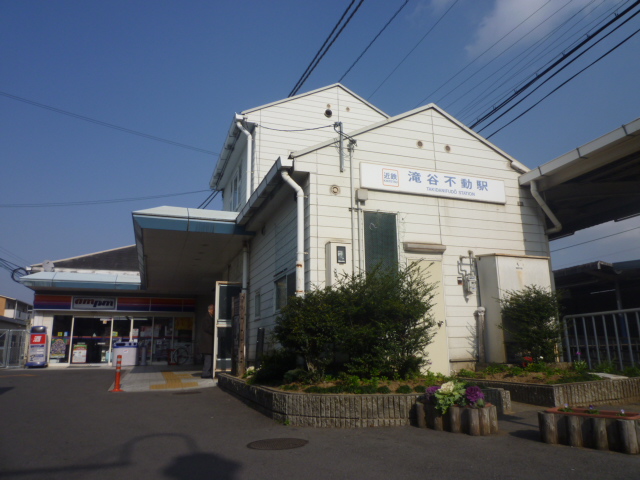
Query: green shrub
531, 318
606, 367
274, 366
466, 373
632, 372
384, 389
516, 371
404, 389
419, 389
381, 322
496, 368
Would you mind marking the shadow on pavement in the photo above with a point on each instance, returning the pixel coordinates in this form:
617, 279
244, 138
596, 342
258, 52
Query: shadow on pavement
198, 466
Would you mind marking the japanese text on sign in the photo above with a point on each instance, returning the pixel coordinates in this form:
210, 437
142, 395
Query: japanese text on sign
438, 184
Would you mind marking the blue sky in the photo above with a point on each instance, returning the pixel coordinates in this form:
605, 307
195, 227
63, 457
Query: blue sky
180, 70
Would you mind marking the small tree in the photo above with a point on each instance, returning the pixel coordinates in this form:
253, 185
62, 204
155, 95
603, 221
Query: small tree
531, 317
380, 321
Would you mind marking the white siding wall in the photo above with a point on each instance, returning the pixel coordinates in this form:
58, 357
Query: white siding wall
265, 254
514, 228
301, 113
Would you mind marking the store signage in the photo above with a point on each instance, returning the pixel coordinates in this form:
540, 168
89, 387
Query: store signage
431, 183
94, 303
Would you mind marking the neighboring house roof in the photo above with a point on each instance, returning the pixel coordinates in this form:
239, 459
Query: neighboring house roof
517, 166
122, 259
313, 92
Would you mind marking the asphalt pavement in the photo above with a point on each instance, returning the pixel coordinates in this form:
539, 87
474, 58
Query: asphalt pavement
67, 424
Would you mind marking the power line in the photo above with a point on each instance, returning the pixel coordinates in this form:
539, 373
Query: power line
503, 52
316, 60
105, 124
563, 83
480, 56
595, 239
95, 202
411, 51
374, 39
552, 61
484, 97
541, 75
299, 130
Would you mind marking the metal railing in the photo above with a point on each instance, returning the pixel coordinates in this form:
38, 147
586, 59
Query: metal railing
612, 336
12, 348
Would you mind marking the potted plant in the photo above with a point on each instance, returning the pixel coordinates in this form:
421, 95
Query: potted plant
454, 407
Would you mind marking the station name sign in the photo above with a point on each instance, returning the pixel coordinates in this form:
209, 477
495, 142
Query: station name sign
435, 184
94, 303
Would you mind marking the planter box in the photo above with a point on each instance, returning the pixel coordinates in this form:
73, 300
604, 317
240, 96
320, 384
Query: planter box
472, 421
337, 411
583, 393
604, 431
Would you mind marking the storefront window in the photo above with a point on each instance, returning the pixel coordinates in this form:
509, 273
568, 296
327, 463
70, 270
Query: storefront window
60, 338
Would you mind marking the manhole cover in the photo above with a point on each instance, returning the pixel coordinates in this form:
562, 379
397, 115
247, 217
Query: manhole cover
278, 444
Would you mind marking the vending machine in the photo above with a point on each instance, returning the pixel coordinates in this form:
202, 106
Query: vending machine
37, 353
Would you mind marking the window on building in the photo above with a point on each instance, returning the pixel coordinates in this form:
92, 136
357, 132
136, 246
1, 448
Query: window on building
236, 186
380, 240
285, 287
257, 304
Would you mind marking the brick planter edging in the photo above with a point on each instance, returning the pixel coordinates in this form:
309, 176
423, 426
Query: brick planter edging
575, 394
328, 410
590, 431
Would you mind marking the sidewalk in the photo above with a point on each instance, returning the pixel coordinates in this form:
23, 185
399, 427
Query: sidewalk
152, 378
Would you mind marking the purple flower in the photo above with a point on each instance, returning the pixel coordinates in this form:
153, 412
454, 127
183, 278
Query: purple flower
432, 390
473, 394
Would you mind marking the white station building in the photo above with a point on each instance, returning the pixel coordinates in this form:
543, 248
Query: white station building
315, 185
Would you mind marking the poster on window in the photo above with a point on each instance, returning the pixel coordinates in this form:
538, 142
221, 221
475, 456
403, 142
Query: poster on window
79, 353
58, 348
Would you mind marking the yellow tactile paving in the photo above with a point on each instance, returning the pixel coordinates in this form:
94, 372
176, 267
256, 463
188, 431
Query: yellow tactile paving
174, 380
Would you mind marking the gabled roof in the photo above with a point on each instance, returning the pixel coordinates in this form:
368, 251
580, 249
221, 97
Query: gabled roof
122, 259
313, 92
517, 166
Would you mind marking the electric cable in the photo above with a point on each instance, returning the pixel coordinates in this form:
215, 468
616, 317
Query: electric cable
559, 86
596, 239
560, 70
106, 124
503, 52
95, 202
554, 44
562, 59
321, 48
482, 54
485, 97
210, 199
300, 130
14, 255
411, 51
374, 39
321, 53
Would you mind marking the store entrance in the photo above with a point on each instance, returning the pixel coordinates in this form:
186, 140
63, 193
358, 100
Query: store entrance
91, 340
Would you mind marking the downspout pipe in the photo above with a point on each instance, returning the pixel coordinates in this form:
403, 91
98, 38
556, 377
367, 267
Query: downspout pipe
557, 226
300, 233
248, 159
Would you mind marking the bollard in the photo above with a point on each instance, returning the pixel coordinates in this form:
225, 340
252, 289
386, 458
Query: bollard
116, 387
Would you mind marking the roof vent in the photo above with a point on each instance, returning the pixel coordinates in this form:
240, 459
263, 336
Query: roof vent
328, 113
